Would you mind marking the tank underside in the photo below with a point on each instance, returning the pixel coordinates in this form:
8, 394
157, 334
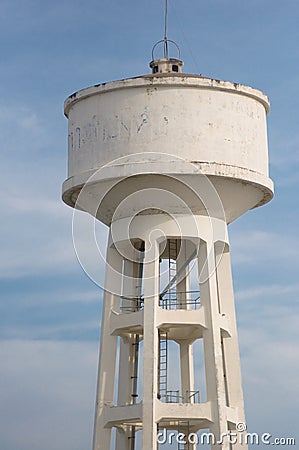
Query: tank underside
111, 199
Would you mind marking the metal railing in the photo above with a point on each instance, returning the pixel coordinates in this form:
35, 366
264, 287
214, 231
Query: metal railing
192, 397
182, 300
174, 396
131, 304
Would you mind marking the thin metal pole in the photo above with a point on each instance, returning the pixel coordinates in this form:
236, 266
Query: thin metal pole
177, 275
165, 30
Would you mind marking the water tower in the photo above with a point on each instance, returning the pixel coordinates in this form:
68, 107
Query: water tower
167, 160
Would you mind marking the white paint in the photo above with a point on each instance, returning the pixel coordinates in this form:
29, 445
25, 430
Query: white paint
178, 156
219, 127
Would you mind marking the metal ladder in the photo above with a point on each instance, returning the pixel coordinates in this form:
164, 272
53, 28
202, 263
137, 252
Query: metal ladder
139, 297
162, 368
168, 297
172, 272
134, 376
183, 427
135, 344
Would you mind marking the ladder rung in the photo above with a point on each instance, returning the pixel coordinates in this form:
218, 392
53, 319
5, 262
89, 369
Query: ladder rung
163, 356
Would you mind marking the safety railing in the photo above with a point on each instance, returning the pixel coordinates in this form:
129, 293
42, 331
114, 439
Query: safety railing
131, 304
174, 396
182, 300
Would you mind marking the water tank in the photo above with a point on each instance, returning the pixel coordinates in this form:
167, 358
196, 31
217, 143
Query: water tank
142, 132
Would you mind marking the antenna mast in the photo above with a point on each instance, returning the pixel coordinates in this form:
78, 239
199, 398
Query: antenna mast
165, 31
166, 64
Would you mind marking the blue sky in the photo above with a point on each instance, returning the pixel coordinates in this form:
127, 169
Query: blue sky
49, 309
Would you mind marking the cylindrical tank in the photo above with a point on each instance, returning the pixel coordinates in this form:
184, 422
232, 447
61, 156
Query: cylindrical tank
135, 132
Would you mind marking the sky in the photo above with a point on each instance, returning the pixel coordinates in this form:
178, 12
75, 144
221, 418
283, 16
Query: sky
49, 309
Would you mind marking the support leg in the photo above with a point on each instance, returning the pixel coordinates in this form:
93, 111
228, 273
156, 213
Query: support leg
106, 374
212, 345
230, 347
150, 346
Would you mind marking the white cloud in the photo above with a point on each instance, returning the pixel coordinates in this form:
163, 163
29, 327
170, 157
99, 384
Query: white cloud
268, 291
47, 394
284, 152
260, 247
67, 296
36, 227
22, 131
39, 254
51, 332
48, 389
29, 204
268, 318
270, 365
36, 234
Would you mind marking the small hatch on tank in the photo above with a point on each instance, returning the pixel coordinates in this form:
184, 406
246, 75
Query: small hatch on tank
166, 64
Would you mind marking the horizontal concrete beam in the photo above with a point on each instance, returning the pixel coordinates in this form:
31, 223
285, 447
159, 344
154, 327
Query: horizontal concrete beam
118, 415
122, 324
183, 411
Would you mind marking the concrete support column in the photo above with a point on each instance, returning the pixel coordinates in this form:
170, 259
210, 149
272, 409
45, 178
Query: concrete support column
107, 363
183, 279
150, 345
124, 387
122, 441
187, 378
126, 356
187, 368
129, 295
183, 294
130, 291
212, 344
230, 347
